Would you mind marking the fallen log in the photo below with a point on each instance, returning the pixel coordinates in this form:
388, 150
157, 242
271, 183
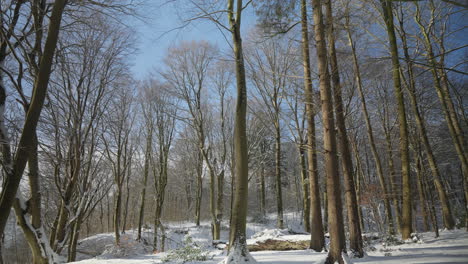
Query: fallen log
279, 245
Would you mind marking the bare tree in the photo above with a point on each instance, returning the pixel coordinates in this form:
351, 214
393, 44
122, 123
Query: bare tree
269, 65
335, 213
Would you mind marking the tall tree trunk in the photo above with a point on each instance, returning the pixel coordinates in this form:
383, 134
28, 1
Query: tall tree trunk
370, 134
262, 191
449, 222
359, 176
317, 241
337, 237
422, 196
149, 140
198, 195
15, 169
108, 214
406, 221
74, 239
127, 199
305, 189
355, 236
452, 123
237, 236
117, 213
393, 175
215, 224
28, 214
279, 195
432, 210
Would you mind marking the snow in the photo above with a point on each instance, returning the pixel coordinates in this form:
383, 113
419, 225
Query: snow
451, 247
276, 234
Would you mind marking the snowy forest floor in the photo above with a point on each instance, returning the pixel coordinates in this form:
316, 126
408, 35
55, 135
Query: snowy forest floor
451, 247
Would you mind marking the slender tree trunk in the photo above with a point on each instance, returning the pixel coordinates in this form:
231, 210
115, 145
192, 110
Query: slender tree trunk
335, 223
262, 191
422, 196
215, 224
15, 169
32, 228
237, 236
391, 168
30, 234
279, 195
127, 199
141, 217
317, 241
355, 236
101, 217
359, 176
449, 222
432, 210
370, 135
108, 214
305, 189
74, 239
406, 221
454, 130
198, 196
117, 213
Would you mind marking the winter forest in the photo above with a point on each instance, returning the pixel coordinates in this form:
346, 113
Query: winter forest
306, 131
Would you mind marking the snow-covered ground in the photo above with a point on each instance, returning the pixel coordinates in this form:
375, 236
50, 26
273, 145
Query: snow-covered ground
451, 247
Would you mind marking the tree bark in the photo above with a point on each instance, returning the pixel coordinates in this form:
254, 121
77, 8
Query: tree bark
305, 189
149, 140
391, 167
237, 235
449, 222
279, 194
337, 237
422, 196
14, 170
406, 219
355, 236
452, 123
317, 241
370, 133
198, 196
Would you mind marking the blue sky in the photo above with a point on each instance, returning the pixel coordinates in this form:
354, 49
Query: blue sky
159, 31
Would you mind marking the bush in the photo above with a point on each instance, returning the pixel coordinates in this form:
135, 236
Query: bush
189, 252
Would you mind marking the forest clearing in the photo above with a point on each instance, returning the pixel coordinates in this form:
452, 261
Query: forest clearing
233, 131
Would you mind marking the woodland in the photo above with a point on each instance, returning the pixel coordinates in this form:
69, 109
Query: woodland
353, 114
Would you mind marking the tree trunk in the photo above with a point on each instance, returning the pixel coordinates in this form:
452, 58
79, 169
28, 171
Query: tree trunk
370, 134
432, 210
335, 223
149, 141
117, 213
422, 196
262, 191
32, 236
355, 236
305, 189
391, 168
452, 123
359, 176
74, 239
406, 221
198, 196
127, 198
237, 236
317, 241
215, 224
279, 195
15, 169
